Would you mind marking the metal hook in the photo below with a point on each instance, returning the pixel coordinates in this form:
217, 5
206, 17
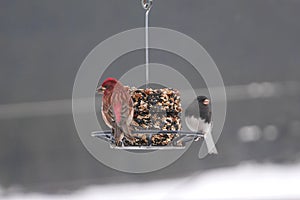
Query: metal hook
147, 4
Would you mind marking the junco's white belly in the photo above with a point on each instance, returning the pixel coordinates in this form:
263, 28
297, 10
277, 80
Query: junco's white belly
197, 125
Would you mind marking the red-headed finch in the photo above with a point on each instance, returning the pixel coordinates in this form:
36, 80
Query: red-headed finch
117, 109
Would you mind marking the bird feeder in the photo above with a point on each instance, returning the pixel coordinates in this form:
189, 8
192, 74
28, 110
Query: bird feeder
156, 122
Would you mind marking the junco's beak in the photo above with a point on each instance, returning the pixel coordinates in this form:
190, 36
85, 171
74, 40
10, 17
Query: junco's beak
100, 90
206, 102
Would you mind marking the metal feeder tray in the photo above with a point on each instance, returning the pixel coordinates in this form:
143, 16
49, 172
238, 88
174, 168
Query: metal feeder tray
183, 137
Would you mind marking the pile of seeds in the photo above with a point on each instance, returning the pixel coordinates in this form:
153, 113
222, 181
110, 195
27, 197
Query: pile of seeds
155, 109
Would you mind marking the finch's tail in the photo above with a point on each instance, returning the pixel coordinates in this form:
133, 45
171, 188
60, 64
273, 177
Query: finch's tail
127, 134
118, 135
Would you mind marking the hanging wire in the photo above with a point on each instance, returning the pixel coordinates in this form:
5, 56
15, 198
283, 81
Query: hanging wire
147, 4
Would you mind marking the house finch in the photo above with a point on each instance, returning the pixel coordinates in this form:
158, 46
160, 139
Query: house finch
198, 119
117, 109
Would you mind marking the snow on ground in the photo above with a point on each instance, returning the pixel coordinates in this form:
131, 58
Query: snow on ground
247, 181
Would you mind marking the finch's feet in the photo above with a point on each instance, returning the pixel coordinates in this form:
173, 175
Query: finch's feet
118, 143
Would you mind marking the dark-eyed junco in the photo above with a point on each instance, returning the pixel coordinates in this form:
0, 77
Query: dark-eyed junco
198, 119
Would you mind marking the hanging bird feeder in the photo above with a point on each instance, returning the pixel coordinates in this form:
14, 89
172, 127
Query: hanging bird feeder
156, 123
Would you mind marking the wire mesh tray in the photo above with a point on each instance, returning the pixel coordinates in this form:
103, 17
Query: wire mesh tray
178, 142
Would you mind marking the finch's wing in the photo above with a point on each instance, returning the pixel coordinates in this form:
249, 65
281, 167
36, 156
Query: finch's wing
122, 108
107, 115
123, 112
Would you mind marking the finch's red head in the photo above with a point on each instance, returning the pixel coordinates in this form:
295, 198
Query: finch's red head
107, 85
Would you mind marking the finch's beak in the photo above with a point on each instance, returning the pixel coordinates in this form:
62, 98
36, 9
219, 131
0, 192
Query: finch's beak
100, 90
206, 102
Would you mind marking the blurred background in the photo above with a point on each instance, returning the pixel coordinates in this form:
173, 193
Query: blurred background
255, 44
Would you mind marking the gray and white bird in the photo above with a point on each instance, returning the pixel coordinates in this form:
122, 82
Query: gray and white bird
198, 119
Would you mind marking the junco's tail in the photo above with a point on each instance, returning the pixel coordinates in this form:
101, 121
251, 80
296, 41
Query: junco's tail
211, 148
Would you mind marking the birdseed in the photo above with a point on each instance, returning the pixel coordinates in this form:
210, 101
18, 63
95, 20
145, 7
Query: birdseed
155, 109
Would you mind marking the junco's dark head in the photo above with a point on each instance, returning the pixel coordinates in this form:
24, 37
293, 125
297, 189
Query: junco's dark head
203, 100
204, 108
200, 107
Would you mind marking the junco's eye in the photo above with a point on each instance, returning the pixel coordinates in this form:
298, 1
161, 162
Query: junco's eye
206, 102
